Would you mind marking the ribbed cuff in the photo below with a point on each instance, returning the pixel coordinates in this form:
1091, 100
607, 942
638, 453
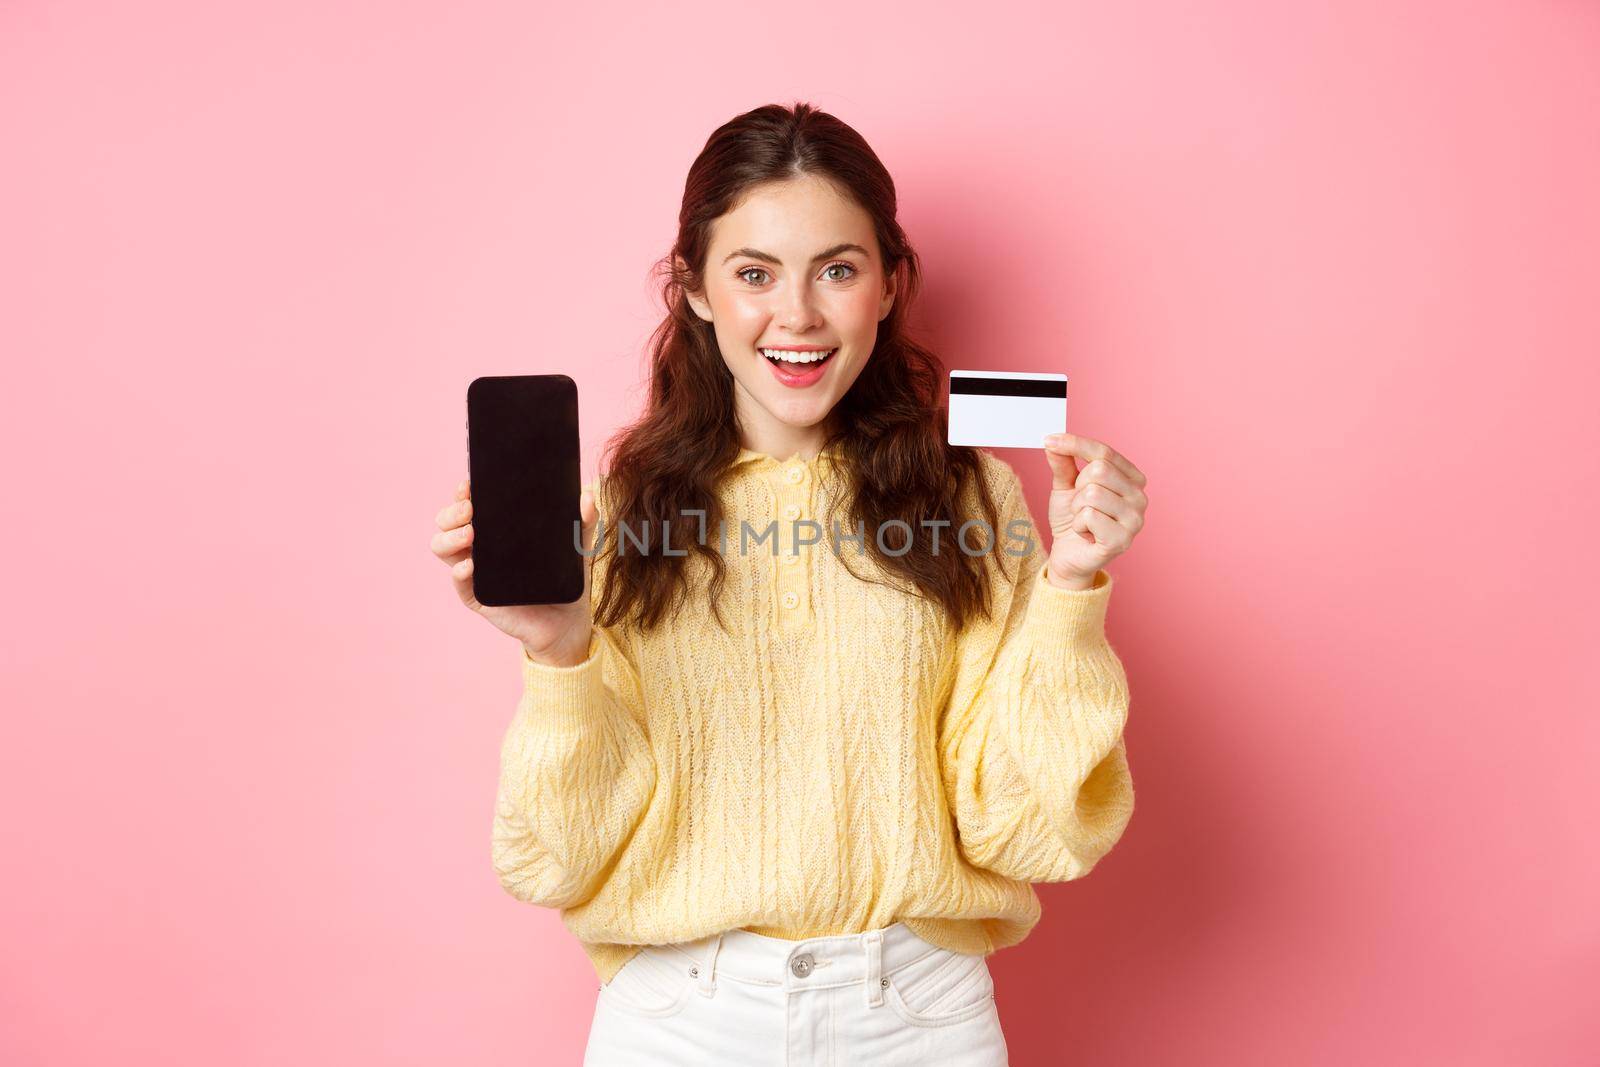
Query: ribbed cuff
571, 696
1078, 614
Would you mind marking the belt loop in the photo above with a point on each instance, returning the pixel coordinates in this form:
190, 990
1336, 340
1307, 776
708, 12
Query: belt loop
873, 940
708, 970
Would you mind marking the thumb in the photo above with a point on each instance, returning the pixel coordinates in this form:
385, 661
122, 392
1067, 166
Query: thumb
589, 512
1063, 469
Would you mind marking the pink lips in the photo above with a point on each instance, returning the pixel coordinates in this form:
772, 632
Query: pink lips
810, 375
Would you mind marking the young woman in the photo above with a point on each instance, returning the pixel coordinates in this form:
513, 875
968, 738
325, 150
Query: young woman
790, 777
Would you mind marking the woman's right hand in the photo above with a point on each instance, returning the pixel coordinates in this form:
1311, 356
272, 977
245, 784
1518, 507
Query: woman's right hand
553, 634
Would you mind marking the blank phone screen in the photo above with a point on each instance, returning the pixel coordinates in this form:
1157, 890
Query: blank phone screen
523, 460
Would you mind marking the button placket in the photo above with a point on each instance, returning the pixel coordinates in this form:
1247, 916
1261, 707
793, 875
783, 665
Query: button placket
790, 580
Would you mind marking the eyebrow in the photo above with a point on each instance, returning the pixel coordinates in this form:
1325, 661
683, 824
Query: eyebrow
826, 253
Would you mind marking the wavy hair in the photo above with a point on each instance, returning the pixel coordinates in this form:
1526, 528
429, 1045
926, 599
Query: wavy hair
889, 428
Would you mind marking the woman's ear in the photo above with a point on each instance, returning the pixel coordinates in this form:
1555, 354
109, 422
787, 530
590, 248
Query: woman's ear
891, 284
696, 298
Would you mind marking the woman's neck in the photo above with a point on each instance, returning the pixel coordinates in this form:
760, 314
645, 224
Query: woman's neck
785, 442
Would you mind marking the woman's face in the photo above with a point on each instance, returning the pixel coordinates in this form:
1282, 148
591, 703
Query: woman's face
795, 265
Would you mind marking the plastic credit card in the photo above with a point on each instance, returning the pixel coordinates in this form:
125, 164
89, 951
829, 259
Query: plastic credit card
1006, 409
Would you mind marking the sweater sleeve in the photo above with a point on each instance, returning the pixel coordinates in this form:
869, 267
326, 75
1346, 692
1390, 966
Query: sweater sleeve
1031, 742
576, 775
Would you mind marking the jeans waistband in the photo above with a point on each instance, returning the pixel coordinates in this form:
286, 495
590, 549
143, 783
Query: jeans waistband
811, 963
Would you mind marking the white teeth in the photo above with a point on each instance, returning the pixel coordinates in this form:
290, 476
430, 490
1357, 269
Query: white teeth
797, 357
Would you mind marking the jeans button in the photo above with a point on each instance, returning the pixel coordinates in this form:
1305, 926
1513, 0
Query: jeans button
802, 965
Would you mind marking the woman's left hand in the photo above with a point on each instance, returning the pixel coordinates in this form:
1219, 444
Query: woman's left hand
1095, 513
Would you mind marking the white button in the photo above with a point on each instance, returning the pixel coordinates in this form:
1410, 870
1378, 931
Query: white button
790, 557
790, 599
794, 474
792, 511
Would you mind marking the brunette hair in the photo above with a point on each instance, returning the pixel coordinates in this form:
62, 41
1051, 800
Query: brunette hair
889, 428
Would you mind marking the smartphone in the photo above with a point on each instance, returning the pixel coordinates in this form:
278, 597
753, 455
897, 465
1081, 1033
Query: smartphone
523, 460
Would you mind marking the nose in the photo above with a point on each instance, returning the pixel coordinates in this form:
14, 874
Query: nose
799, 313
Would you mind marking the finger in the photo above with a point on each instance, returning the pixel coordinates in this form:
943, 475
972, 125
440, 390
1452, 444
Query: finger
589, 513
452, 515
1108, 532
448, 543
1104, 472
1063, 469
1117, 506
1088, 449
1080, 524
464, 490
461, 578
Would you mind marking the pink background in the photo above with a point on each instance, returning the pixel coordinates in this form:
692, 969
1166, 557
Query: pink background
1328, 276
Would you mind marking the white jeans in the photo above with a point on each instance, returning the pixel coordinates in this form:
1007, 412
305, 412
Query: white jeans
884, 997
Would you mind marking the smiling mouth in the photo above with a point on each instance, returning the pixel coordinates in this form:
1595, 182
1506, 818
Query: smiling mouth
797, 360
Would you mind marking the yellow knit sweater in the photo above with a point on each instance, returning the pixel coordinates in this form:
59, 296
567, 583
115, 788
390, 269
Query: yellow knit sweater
840, 760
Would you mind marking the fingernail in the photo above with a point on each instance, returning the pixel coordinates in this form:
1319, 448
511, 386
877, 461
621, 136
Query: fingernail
1052, 438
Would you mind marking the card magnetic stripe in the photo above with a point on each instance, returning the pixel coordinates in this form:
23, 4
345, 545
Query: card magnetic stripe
1008, 387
